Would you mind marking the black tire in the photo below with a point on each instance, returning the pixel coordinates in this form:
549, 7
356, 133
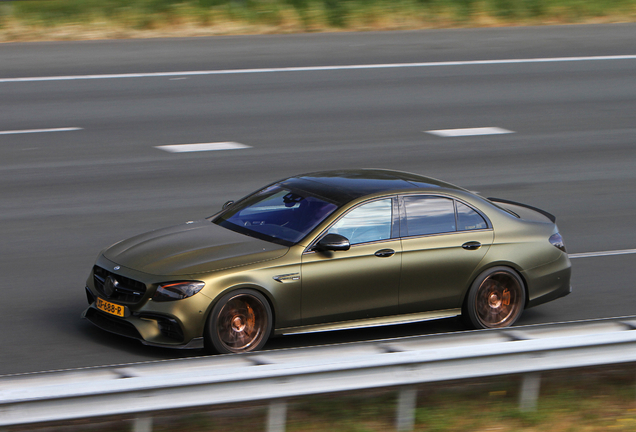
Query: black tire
496, 299
241, 321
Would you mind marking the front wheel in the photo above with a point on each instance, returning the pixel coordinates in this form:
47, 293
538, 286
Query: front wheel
495, 299
241, 321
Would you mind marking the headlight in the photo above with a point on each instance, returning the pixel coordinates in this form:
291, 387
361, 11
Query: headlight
177, 290
557, 241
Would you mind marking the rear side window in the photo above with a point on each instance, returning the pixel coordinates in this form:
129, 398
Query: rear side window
469, 219
426, 215
429, 215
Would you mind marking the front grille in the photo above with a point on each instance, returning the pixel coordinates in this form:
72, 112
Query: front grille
126, 290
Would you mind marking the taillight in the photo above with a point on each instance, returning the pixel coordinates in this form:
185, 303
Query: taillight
557, 241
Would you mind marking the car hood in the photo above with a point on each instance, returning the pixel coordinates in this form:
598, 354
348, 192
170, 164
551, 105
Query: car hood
194, 247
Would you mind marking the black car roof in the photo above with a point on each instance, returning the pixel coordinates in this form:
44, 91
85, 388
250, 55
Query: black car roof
342, 186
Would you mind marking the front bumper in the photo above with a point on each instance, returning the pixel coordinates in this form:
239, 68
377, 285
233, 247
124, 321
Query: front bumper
175, 324
157, 330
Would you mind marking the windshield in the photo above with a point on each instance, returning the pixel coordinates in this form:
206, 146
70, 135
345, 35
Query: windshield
276, 214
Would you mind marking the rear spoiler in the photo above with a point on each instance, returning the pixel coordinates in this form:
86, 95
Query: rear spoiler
538, 210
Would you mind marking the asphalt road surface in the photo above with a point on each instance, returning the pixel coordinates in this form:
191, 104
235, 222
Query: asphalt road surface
79, 167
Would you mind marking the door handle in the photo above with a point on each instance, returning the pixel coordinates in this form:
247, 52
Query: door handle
471, 245
385, 253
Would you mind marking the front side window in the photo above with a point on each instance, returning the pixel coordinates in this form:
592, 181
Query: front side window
366, 223
276, 214
429, 215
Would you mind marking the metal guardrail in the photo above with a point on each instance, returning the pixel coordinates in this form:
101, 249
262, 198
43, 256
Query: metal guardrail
143, 388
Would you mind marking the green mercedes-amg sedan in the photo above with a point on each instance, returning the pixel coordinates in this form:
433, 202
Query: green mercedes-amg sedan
329, 250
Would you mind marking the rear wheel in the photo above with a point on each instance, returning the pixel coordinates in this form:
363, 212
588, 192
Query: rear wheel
496, 299
241, 321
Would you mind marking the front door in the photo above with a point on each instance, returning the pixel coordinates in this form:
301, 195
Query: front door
362, 282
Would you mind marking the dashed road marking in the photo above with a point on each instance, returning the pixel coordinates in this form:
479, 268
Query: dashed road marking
26, 131
201, 147
469, 132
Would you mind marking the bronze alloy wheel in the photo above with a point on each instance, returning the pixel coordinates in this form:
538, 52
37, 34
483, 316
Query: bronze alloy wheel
496, 299
240, 322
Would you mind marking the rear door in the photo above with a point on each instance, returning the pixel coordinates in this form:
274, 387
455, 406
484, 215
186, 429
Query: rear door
443, 242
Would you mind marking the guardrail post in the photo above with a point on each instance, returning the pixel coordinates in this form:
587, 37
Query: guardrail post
277, 416
530, 386
142, 424
405, 416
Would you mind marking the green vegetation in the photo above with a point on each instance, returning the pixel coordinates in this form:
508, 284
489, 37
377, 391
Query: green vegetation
91, 19
589, 400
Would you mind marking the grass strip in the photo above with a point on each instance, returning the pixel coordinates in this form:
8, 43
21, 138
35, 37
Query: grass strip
97, 19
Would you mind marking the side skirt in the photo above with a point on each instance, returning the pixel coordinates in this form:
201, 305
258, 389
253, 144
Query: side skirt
370, 322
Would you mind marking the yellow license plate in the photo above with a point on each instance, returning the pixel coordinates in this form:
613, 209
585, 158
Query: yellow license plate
109, 307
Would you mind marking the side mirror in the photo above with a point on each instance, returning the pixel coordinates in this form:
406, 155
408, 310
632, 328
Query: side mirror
227, 204
333, 242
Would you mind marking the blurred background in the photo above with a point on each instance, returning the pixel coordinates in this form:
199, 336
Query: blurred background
89, 91
94, 19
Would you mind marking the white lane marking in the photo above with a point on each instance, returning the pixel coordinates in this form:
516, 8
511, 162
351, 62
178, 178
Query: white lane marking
185, 148
603, 253
469, 132
26, 131
319, 68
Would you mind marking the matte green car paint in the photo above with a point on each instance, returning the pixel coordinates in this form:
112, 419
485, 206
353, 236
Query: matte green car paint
427, 276
350, 285
191, 248
436, 269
